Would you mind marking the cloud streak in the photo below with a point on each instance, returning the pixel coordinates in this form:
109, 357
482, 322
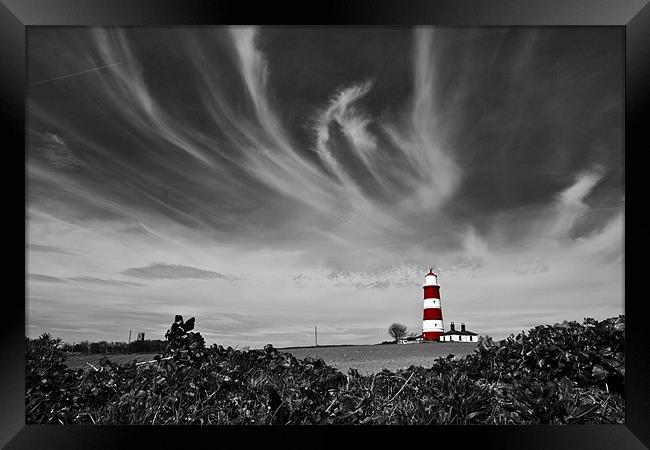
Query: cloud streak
48, 249
104, 281
339, 163
174, 271
45, 278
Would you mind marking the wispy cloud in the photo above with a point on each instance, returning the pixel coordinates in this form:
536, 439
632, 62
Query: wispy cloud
53, 149
535, 269
353, 125
570, 204
376, 285
104, 281
338, 162
174, 271
48, 249
82, 279
436, 173
45, 278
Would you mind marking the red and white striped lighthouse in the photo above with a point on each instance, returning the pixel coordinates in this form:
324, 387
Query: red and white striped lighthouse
432, 320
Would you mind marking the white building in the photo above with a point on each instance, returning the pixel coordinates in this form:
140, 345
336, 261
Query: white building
458, 336
410, 340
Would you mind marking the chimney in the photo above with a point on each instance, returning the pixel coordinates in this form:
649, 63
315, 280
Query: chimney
462, 327
453, 327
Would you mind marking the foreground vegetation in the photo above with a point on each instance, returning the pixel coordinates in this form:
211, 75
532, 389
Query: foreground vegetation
566, 373
114, 348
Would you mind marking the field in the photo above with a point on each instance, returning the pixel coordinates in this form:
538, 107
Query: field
367, 359
566, 373
370, 359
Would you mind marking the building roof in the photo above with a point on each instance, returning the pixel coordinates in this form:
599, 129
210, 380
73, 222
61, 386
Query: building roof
454, 332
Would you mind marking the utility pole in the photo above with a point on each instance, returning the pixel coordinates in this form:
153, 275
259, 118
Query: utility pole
316, 334
128, 346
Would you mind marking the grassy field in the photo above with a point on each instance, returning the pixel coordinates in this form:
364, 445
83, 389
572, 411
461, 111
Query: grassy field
567, 373
367, 359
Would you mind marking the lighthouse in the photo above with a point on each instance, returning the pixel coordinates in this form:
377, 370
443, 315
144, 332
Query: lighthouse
432, 320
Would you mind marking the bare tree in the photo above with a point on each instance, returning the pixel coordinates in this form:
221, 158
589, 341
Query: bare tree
397, 331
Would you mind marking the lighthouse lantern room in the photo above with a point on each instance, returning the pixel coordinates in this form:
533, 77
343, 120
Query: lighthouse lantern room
432, 327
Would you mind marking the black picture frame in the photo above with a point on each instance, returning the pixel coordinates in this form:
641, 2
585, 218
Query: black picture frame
632, 15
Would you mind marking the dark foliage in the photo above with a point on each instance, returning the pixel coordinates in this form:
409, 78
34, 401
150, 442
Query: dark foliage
115, 348
567, 373
590, 354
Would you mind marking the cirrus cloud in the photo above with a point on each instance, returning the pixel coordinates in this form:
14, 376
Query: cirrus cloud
158, 270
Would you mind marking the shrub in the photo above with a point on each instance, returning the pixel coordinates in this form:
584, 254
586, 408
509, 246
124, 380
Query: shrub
561, 374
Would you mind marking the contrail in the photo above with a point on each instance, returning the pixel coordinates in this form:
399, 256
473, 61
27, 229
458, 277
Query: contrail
73, 74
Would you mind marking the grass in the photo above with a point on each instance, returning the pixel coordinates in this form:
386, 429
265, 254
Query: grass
568, 373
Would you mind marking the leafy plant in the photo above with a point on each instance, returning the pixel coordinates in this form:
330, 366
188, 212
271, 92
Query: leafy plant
561, 374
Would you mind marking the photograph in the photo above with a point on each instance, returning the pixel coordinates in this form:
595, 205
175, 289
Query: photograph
325, 225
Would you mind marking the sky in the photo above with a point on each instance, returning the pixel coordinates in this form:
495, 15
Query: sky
267, 180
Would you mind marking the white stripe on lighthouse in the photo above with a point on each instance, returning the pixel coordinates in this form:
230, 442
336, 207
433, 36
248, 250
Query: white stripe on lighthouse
431, 303
432, 325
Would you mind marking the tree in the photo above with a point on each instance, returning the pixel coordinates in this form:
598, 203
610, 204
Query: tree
84, 346
397, 331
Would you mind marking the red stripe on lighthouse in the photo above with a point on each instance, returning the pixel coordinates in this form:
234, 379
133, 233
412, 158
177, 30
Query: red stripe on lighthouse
432, 327
431, 335
431, 291
432, 314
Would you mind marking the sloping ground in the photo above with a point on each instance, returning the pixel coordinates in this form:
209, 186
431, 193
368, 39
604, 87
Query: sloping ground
567, 373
